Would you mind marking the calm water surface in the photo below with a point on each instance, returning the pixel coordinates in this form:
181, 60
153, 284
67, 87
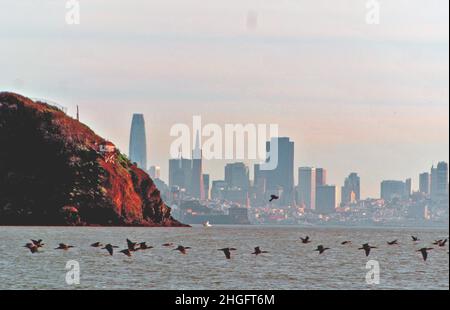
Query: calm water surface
290, 264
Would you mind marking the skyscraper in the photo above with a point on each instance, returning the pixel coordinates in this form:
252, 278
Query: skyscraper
155, 172
392, 189
408, 187
197, 186
307, 187
439, 182
321, 176
424, 183
282, 177
237, 176
351, 189
326, 199
206, 186
138, 144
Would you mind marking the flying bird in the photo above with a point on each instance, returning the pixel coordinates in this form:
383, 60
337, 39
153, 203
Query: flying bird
442, 243
366, 247
144, 246
346, 242
96, 245
110, 248
131, 245
182, 249
167, 245
227, 252
415, 239
395, 242
424, 252
437, 242
305, 240
32, 247
321, 249
273, 197
63, 246
126, 252
258, 251
38, 243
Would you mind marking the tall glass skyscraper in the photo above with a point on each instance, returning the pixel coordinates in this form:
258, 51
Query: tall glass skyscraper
138, 144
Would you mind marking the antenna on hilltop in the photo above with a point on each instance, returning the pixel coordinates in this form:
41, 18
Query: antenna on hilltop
78, 114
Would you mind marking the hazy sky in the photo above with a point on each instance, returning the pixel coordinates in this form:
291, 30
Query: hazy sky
354, 97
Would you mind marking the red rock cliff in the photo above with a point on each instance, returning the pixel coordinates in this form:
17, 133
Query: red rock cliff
54, 170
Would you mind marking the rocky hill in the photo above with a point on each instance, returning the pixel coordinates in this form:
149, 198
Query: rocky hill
54, 170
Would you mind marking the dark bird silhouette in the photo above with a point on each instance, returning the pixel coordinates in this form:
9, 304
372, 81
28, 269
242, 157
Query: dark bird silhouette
437, 242
127, 252
346, 242
415, 239
443, 243
182, 249
227, 252
63, 246
32, 247
366, 247
273, 197
258, 251
96, 245
144, 246
131, 245
38, 243
110, 248
395, 242
167, 245
305, 240
424, 252
321, 249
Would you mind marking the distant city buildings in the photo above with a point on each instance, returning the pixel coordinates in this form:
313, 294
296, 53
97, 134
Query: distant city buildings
391, 189
351, 191
439, 182
321, 176
138, 145
307, 187
155, 172
326, 199
425, 183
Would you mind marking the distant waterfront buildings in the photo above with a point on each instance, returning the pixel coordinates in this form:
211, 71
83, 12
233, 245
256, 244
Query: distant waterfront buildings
424, 183
326, 199
138, 144
392, 189
307, 187
439, 182
155, 172
237, 176
351, 191
321, 176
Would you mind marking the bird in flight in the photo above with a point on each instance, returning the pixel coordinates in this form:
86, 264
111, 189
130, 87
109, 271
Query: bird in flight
305, 240
415, 239
273, 197
38, 243
96, 245
424, 252
144, 246
395, 242
131, 245
442, 243
258, 251
32, 247
110, 248
346, 242
321, 249
227, 252
366, 247
182, 249
167, 245
126, 252
63, 246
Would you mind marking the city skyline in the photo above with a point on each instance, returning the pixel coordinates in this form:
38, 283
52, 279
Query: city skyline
354, 97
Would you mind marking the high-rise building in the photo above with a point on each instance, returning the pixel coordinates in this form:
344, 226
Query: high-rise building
408, 188
138, 144
237, 176
391, 189
180, 173
197, 186
321, 176
281, 179
351, 191
155, 172
206, 186
326, 199
424, 183
439, 182
307, 187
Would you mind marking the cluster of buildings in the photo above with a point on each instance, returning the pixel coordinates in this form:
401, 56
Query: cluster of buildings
238, 199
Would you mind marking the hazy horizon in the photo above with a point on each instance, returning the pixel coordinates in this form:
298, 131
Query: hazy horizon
371, 99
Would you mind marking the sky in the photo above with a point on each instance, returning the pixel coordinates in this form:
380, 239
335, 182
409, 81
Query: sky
372, 99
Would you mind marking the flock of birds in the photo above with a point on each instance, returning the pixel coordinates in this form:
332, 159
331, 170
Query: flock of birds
132, 247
